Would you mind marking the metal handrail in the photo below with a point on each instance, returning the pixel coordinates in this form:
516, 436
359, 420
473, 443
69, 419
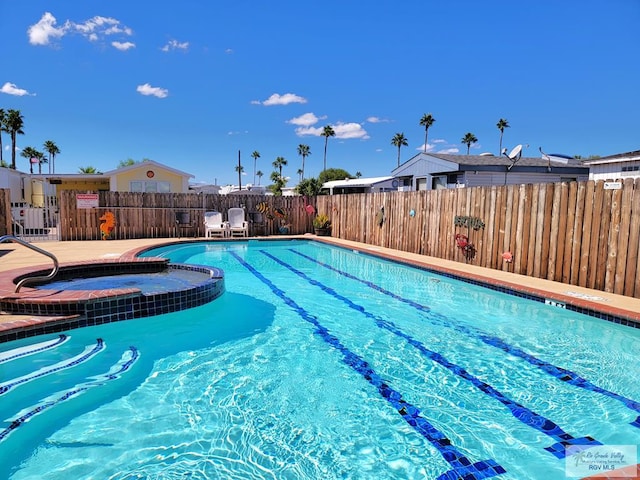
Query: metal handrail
39, 278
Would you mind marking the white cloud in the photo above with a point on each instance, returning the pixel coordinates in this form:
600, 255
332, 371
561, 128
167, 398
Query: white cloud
343, 131
429, 148
96, 26
450, 150
46, 29
377, 120
147, 89
229, 51
12, 89
175, 45
286, 99
305, 120
123, 46
439, 140
350, 130
42, 32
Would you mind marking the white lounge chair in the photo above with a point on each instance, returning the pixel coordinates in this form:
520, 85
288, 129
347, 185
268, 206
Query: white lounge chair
238, 226
214, 226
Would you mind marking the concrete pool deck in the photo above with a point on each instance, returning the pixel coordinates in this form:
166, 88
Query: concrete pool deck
14, 256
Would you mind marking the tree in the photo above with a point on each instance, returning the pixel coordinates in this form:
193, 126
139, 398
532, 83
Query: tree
259, 174
426, 121
126, 163
29, 153
309, 187
14, 124
53, 150
469, 139
327, 132
3, 119
239, 169
256, 156
304, 151
399, 140
358, 174
89, 170
333, 174
502, 124
278, 183
300, 172
279, 163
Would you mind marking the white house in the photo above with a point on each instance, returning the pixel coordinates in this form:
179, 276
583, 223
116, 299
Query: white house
361, 185
432, 171
615, 167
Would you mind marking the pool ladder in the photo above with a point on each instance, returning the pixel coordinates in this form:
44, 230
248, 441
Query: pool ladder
38, 278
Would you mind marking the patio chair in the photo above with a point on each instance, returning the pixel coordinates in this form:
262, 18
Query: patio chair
214, 226
238, 226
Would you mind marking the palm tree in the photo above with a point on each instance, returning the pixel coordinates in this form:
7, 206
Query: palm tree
327, 132
426, 121
300, 173
259, 174
29, 153
3, 118
304, 151
53, 150
399, 140
14, 123
256, 156
468, 139
279, 163
239, 169
88, 170
502, 124
358, 174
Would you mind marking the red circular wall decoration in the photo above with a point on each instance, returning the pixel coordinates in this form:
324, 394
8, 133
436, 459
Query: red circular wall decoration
150, 173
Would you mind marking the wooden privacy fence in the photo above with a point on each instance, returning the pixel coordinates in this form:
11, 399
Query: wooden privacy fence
154, 215
579, 233
5, 212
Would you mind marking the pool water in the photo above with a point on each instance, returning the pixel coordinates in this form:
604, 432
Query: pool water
170, 280
320, 362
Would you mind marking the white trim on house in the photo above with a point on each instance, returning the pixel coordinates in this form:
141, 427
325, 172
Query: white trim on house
361, 185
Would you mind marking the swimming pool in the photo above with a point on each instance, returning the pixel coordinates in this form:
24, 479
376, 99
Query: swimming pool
319, 362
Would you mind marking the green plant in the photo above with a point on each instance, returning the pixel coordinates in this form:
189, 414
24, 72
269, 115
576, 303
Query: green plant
321, 221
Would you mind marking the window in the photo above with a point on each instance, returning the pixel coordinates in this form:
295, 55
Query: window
421, 184
149, 186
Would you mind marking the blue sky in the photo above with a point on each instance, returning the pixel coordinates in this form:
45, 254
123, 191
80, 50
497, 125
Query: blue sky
191, 83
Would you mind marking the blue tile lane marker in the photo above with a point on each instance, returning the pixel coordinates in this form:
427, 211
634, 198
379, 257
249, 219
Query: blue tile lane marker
462, 466
32, 349
43, 372
520, 412
560, 373
118, 369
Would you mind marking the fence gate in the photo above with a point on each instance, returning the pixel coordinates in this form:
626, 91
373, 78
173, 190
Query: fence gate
36, 224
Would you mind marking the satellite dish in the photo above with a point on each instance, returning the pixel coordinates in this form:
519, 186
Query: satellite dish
514, 156
555, 157
516, 153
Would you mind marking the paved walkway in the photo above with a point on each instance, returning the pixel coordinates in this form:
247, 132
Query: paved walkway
15, 256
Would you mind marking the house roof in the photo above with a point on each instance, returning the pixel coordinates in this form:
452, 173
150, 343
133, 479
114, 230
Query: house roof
490, 160
617, 158
146, 164
355, 182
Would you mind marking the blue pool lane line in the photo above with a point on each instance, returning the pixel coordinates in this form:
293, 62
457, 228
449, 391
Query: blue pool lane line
520, 412
43, 372
32, 349
462, 466
125, 362
560, 373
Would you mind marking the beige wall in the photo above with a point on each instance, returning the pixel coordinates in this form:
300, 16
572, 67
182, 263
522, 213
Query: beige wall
122, 182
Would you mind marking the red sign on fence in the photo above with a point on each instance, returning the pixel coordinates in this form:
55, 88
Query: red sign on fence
87, 200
